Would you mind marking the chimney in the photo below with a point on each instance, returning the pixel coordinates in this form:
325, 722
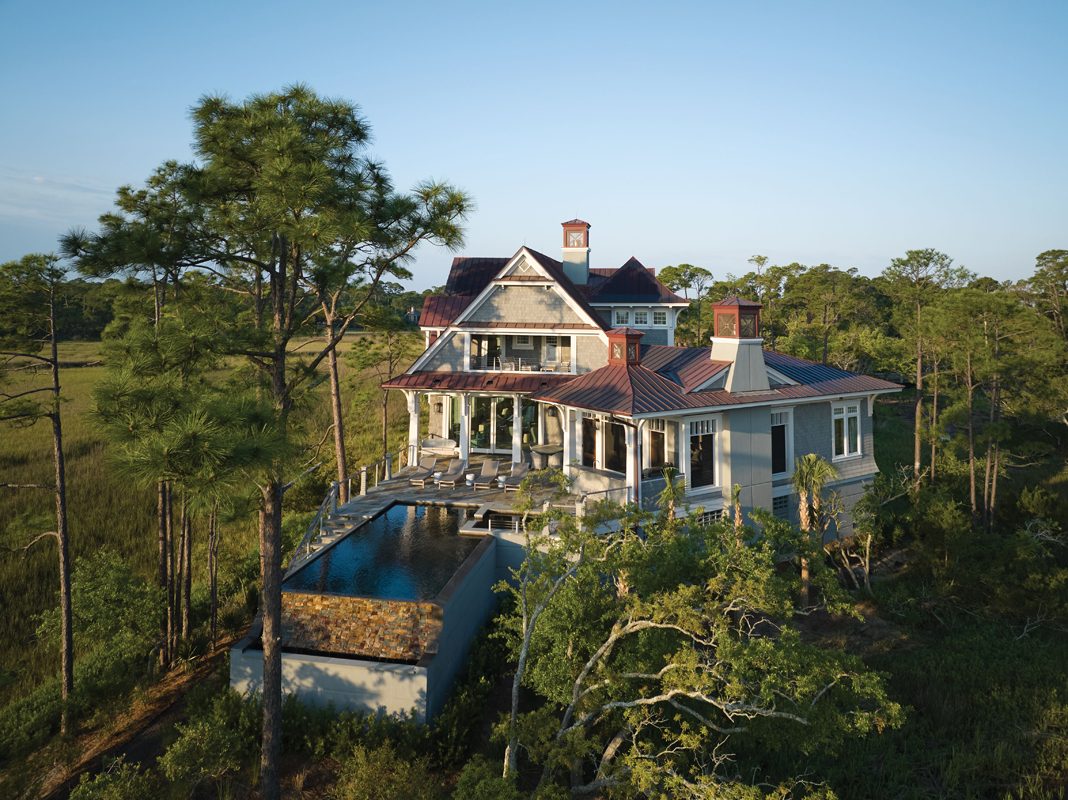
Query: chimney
576, 256
737, 339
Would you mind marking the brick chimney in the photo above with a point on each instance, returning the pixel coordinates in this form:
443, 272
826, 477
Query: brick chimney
576, 258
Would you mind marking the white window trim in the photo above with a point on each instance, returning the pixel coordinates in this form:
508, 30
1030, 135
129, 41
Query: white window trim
518, 345
844, 405
789, 411
665, 323
644, 324
717, 452
616, 313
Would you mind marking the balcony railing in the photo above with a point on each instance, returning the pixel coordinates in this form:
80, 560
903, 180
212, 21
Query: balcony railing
517, 364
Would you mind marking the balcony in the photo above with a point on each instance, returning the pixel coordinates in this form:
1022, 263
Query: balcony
517, 364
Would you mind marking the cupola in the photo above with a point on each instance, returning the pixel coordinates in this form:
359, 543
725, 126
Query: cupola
576, 252
737, 339
624, 347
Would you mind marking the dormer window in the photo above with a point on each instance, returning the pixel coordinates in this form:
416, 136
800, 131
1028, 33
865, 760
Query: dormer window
622, 317
660, 318
641, 318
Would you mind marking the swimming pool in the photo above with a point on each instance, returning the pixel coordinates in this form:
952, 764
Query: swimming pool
406, 553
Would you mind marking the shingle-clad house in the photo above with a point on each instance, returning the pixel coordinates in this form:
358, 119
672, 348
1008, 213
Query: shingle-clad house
529, 357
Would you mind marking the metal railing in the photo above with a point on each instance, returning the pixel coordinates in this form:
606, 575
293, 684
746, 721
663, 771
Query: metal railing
381, 470
517, 364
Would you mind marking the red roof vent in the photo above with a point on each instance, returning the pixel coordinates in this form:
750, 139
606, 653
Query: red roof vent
624, 347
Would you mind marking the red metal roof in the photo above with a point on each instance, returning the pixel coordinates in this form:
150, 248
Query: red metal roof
700, 371
575, 222
469, 276
738, 301
428, 380
440, 310
571, 326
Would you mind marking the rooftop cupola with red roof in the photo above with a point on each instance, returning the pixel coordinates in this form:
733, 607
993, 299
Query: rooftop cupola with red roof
737, 339
576, 257
624, 347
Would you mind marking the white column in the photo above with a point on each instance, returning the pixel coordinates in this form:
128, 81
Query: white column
517, 429
465, 425
567, 431
632, 475
541, 423
413, 420
467, 352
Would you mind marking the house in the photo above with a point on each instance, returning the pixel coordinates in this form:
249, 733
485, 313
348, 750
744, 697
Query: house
534, 358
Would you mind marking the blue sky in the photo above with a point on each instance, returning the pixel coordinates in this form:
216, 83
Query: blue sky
706, 132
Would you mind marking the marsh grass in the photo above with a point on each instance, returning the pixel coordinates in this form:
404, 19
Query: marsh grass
108, 510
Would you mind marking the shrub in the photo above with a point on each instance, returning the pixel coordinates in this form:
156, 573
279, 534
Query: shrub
205, 749
481, 780
381, 774
120, 781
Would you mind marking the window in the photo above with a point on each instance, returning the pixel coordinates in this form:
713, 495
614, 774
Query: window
641, 318
780, 507
622, 317
708, 517
702, 453
589, 441
845, 421
781, 443
657, 443
522, 341
660, 318
615, 447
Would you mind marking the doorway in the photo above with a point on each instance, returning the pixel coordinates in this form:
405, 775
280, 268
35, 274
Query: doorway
492, 420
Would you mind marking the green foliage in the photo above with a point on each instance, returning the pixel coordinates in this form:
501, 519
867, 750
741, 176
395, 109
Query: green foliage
113, 607
381, 774
204, 750
480, 780
118, 781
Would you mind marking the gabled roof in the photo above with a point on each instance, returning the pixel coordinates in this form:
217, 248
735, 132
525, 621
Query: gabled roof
618, 389
632, 283
469, 276
556, 269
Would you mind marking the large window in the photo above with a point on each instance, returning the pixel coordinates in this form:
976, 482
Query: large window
641, 318
657, 443
845, 420
615, 447
781, 443
702, 453
660, 318
589, 442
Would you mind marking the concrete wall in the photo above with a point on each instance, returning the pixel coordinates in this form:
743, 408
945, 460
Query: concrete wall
355, 683
745, 456
451, 356
519, 304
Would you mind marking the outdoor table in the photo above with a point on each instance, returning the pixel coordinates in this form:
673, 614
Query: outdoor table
547, 455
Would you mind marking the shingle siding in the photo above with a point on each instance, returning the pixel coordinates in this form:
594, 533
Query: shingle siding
592, 354
519, 304
450, 358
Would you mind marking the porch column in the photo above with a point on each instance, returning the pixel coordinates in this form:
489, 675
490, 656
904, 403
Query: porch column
517, 429
567, 430
467, 351
413, 424
465, 425
541, 423
632, 457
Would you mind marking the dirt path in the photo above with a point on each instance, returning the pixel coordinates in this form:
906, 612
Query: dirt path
137, 733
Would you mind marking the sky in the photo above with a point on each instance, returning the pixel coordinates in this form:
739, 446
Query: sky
705, 133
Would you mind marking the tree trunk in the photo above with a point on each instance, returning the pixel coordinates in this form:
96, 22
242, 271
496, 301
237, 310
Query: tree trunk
161, 577
213, 569
919, 404
187, 566
271, 613
171, 590
335, 407
971, 443
934, 423
66, 615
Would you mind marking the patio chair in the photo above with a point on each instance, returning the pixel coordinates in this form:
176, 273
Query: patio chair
563, 366
519, 471
455, 473
424, 472
488, 476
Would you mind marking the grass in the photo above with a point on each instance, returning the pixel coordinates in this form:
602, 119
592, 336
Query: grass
106, 511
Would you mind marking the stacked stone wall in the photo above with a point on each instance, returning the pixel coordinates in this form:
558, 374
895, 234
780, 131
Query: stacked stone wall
359, 626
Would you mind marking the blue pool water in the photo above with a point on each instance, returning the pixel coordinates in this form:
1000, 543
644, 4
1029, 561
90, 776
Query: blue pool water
407, 553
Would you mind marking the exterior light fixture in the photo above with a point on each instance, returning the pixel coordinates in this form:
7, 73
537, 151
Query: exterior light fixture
438, 407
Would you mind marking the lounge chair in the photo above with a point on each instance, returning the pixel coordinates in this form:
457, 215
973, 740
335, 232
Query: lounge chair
455, 473
519, 471
488, 476
424, 472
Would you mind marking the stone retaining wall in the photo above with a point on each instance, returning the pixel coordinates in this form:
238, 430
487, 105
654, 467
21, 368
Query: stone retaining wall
359, 626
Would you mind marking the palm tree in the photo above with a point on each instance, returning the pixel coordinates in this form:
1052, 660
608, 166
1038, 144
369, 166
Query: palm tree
811, 474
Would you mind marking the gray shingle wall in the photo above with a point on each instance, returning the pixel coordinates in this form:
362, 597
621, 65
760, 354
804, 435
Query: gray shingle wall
592, 354
812, 434
520, 304
655, 336
450, 358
